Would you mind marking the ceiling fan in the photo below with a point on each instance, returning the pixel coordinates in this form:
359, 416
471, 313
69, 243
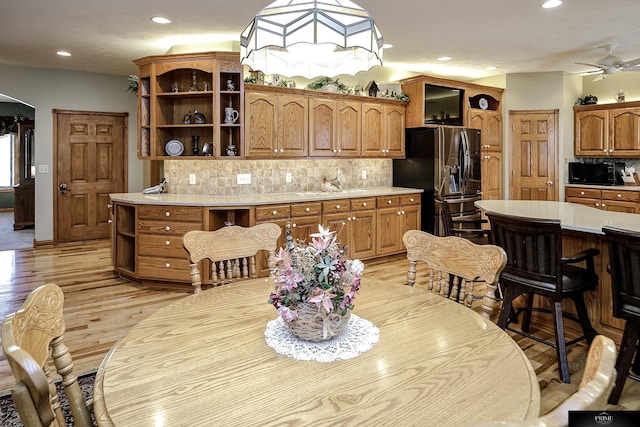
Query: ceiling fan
611, 64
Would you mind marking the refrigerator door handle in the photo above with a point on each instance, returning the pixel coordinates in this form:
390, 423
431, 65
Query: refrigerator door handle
465, 173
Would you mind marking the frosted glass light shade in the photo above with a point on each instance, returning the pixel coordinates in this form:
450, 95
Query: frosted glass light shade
311, 38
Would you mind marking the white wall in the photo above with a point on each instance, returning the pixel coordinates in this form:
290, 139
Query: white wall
49, 89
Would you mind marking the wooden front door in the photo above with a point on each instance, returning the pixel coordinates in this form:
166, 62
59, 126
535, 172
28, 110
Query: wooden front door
534, 153
90, 158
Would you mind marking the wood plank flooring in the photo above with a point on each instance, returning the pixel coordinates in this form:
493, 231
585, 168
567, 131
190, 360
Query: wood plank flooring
100, 308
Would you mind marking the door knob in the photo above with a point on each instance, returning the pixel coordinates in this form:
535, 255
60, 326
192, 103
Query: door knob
549, 182
63, 188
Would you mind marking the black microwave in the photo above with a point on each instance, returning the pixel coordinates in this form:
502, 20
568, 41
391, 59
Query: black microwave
601, 173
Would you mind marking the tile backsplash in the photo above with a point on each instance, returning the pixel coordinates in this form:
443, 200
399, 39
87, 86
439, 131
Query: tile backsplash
219, 177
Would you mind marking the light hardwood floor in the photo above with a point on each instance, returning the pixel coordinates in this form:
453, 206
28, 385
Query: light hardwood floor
101, 307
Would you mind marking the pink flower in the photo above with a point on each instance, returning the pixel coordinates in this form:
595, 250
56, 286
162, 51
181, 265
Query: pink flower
320, 244
289, 279
357, 267
282, 257
323, 300
287, 314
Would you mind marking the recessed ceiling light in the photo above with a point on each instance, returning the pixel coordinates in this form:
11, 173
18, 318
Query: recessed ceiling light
551, 3
63, 53
490, 68
161, 20
387, 46
444, 58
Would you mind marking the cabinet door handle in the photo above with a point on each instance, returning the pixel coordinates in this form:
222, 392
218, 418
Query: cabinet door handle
399, 213
294, 225
604, 206
167, 242
109, 205
353, 218
110, 221
282, 150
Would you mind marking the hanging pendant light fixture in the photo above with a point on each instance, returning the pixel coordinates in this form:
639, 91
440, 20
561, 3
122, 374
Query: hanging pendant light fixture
311, 38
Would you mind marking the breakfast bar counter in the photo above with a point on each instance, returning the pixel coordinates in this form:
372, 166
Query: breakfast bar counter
582, 229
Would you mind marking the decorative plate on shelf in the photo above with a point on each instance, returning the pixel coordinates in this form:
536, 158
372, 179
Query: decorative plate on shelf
174, 147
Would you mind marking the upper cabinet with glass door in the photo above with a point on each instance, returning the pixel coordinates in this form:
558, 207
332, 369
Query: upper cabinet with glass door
181, 105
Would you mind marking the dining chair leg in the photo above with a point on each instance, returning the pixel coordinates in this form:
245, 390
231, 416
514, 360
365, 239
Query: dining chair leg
583, 316
411, 274
526, 318
506, 309
561, 345
625, 355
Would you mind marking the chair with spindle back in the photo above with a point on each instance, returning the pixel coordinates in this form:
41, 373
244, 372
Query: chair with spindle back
624, 267
232, 251
456, 266
536, 266
29, 336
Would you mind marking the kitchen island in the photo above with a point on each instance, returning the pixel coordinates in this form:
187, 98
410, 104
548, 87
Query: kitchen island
147, 229
582, 229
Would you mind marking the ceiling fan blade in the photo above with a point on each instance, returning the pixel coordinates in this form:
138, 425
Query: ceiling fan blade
631, 65
602, 67
600, 76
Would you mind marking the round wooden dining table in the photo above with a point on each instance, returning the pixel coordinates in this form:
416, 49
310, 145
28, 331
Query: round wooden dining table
204, 361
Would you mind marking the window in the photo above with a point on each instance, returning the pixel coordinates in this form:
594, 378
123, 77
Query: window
6, 160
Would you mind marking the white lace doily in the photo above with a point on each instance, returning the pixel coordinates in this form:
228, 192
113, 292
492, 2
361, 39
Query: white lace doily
359, 336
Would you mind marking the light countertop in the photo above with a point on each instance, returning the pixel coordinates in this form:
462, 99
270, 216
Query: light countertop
572, 216
256, 199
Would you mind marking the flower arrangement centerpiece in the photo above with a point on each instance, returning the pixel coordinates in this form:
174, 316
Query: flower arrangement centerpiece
315, 286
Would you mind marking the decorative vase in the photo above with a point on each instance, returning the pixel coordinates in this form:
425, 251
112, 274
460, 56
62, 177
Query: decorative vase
311, 325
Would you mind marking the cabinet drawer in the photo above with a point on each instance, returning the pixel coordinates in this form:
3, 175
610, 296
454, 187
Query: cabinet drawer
388, 201
582, 192
410, 199
336, 206
163, 246
362, 204
174, 213
623, 195
272, 212
167, 227
172, 269
304, 209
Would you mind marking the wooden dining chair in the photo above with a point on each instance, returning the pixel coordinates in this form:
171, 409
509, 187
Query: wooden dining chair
456, 266
469, 228
624, 267
232, 251
536, 266
29, 337
595, 386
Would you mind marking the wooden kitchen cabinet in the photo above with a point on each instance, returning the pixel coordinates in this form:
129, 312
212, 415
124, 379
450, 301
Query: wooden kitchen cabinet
607, 130
383, 130
334, 128
613, 200
491, 164
395, 216
490, 125
277, 125
181, 99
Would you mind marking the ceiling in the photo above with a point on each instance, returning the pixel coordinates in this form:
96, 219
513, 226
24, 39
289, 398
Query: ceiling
513, 35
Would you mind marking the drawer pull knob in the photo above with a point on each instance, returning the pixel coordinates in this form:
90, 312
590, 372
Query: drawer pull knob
167, 265
619, 195
167, 213
167, 242
364, 204
307, 210
411, 199
167, 228
110, 221
109, 205
389, 202
399, 213
275, 212
353, 218
582, 193
337, 206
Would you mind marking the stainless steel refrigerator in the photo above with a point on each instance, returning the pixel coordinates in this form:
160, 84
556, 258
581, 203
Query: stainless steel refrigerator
442, 160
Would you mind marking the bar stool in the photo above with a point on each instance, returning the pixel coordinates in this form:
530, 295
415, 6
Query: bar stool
624, 267
535, 266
